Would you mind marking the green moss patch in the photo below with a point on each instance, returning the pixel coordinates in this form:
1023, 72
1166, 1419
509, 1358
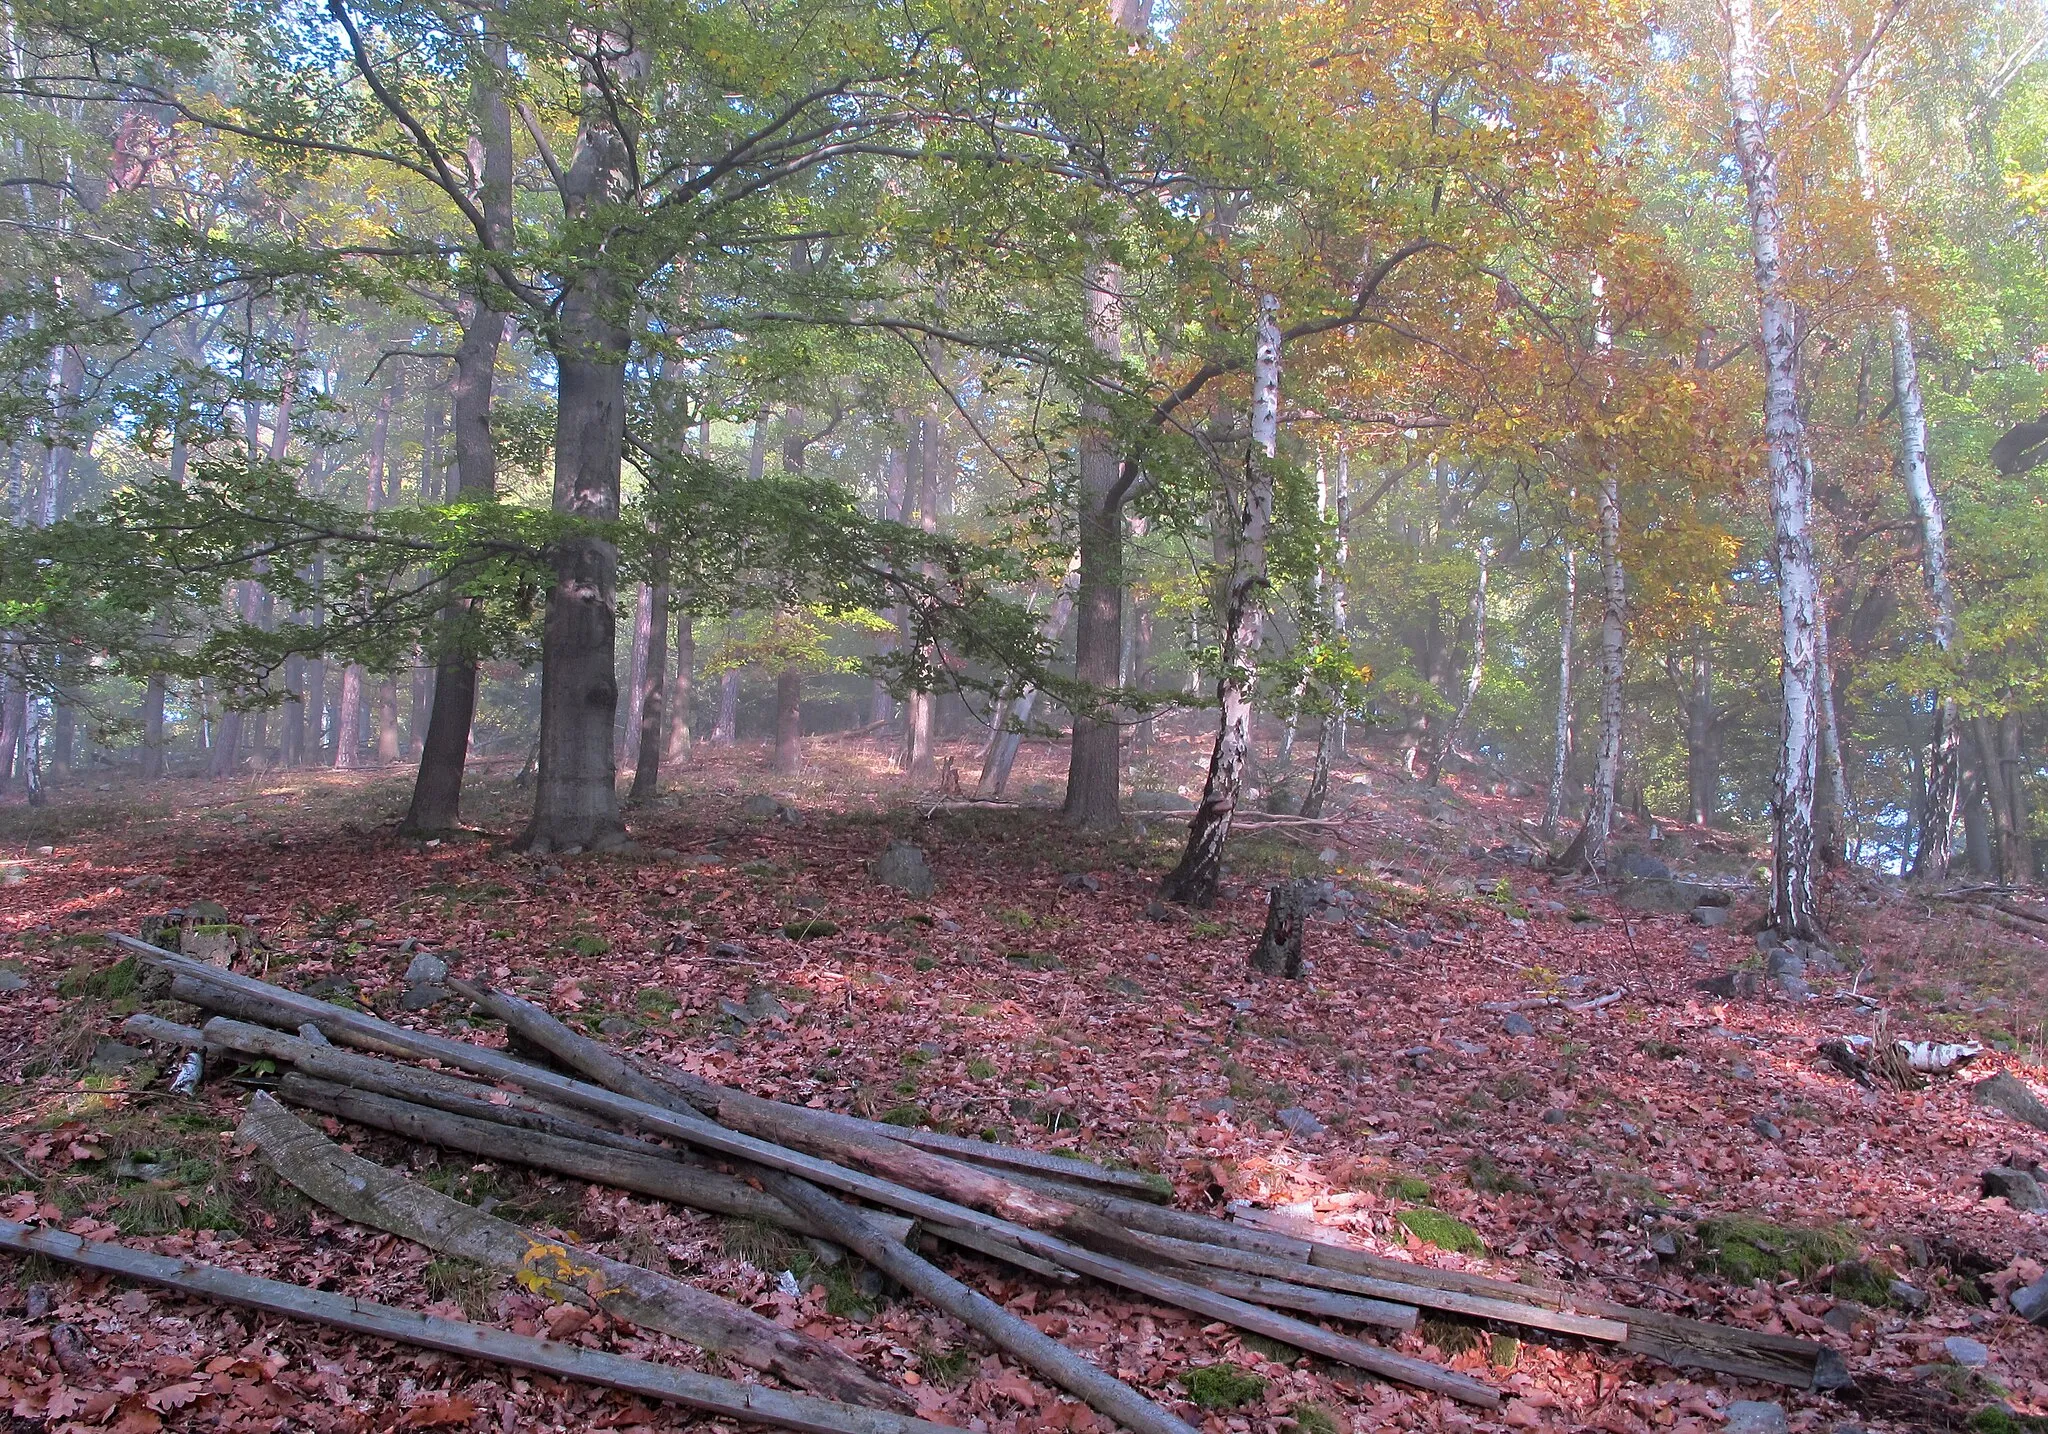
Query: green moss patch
1434, 1227
810, 929
1221, 1386
1314, 1419
1747, 1248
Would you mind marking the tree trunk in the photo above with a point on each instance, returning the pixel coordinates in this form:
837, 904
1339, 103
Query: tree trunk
291, 736
13, 721
1793, 911
1832, 803
348, 725
1287, 913
725, 731
636, 676
654, 696
1194, 882
152, 727
420, 700
387, 722
444, 751
576, 799
1094, 764
1591, 844
1338, 743
1474, 679
1976, 831
1944, 755
1702, 738
1561, 750
1013, 716
917, 759
2012, 768
789, 721
681, 695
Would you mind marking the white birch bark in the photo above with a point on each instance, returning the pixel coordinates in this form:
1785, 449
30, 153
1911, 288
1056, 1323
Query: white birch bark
1567, 621
1013, 716
1792, 893
1340, 599
1944, 758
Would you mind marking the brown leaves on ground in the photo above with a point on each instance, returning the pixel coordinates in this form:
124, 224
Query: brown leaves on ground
1022, 1005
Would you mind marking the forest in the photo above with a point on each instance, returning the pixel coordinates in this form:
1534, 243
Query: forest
1246, 715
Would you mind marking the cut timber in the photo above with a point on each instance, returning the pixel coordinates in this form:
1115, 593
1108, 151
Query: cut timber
796, 1128
693, 1129
652, 1170
1007, 1332
163, 1032
368, 1194
1303, 1299
720, 1398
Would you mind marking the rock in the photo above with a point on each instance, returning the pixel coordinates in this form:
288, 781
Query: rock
1905, 1296
1663, 894
1080, 881
216, 945
1641, 864
1969, 1353
1768, 940
1795, 989
110, 1055
2012, 1095
1741, 984
421, 997
764, 1005
1217, 1105
1781, 962
761, 807
2031, 1303
426, 969
1628, 1128
1710, 915
1555, 1116
903, 867
11, 874
1755, 1416
1417, 940
1742, 1070
46, 851
1301, 1122
614, 1026
2019, 1187
1458, 888
148, 881
1844, 1317
1766, 1127
1157, 910
737, 1011
729, 951
1327, 856
12, 980
1514, 1023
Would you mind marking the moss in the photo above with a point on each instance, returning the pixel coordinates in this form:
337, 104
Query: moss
980, 1069
1312, 1418
907, 1116
1997, 1419
1486, 1175
1747, 1248
944, 1368
116, 982
923, 963
1863, 1281
653, 1001
1273, 1349
466, 1282
588, 943
1434, 1227
1452, 1336
1406, 1187
810, 928
1504, 1351
1221, 1386
765, 1247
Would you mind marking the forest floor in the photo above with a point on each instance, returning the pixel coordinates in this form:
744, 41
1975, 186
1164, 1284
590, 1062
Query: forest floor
1670, 1148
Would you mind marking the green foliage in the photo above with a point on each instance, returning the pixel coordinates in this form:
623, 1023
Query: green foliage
1221, 1386
1434, 1227
1747, 1248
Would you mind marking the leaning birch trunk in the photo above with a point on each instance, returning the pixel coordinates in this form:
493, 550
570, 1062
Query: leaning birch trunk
1474, 679
371, 1195
1944, 751
1014, 715
1194, 881
1561, 753
1832, 836
1792, 883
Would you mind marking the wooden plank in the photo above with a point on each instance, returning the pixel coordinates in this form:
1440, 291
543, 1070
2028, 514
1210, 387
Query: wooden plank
1303, 1299
369, 1194
720, 1398
690, 1127
1024, 1342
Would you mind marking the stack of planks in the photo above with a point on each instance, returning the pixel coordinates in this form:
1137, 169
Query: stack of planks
884, 1192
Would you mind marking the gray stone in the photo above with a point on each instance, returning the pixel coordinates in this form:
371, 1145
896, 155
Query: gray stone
1795, 989
2019, 1187
426, 969
1905, 1296
1766, 1127
46, 851
1458, 888
1784, 963
1514, 1023
1710, 916
422, 996
1217, 1105
2031, 1303
11, 874
762, 807
1641, 864
1742, 1070
1969, 1353
1327, 856
903, 866
12, 981
2007, 1092
1769, 940
1416, 939
614, 1026
1555, 1116
148, 881
1628, 1128
113, 1056
1756, 1416
764, 1005
1844, 1317
1080, 881
1302, 1122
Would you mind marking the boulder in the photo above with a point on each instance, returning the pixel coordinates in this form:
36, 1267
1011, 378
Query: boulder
1969, 1353
2031, 1303
12, 980
1641, 865
1663, 894
2012, 1095
110, 1055
761, 807
1301, 1122
1514, 1023
903, 866
1080, 881
1906, 1296
2017, 1186
426, 969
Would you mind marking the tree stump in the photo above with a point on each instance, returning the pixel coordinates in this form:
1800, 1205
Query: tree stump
1279, 950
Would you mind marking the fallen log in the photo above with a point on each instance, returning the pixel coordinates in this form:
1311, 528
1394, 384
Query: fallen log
369, 1194
707, 1394
654, 1170
1303, 1299
694, 1129
1023, 1342
795, 1128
